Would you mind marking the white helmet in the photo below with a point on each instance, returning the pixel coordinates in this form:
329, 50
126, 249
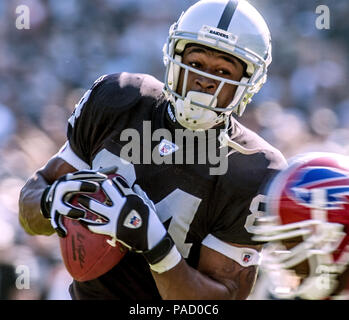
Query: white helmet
232, 26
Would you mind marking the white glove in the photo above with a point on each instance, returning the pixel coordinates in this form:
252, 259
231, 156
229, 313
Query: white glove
132, 221
54, 200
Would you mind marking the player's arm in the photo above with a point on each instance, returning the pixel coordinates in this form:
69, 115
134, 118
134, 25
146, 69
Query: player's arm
30, 217
217, 277
47, 194
81, 121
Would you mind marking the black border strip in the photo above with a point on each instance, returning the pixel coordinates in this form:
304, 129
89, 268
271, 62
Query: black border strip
227, 15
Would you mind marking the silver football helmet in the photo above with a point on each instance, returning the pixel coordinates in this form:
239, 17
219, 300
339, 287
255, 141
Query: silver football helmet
232, 26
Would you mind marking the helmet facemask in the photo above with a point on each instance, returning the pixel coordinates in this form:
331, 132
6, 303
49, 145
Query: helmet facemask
298, 260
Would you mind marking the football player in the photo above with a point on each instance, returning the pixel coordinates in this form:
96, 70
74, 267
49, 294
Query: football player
306, 224
187, 229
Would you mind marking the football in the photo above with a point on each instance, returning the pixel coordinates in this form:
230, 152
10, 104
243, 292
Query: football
88, 255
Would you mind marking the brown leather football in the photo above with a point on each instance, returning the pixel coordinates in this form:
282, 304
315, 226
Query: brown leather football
88, 255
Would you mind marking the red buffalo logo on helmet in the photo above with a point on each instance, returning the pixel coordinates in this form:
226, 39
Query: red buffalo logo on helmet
320, 187
319, 183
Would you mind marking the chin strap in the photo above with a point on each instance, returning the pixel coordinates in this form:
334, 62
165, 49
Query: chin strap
226, 140
193, 117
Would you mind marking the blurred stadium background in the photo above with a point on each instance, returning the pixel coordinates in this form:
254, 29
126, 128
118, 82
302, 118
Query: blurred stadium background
45, 70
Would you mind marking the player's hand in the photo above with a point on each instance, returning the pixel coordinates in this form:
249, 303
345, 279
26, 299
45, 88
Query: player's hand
132, 220
55, 198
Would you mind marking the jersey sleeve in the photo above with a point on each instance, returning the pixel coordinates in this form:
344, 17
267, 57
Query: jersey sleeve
238, 215
97, 114
230, 235
231, 225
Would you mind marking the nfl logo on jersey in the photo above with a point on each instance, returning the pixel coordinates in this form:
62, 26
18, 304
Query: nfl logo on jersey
166, 147
246, 258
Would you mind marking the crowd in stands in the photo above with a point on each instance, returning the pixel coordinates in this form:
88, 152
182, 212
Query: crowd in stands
44, 71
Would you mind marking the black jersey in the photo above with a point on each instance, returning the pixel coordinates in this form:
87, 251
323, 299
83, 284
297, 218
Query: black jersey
125, 120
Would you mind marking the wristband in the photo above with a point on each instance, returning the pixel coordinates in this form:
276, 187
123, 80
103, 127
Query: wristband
163, 256
167, 263
160, 251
